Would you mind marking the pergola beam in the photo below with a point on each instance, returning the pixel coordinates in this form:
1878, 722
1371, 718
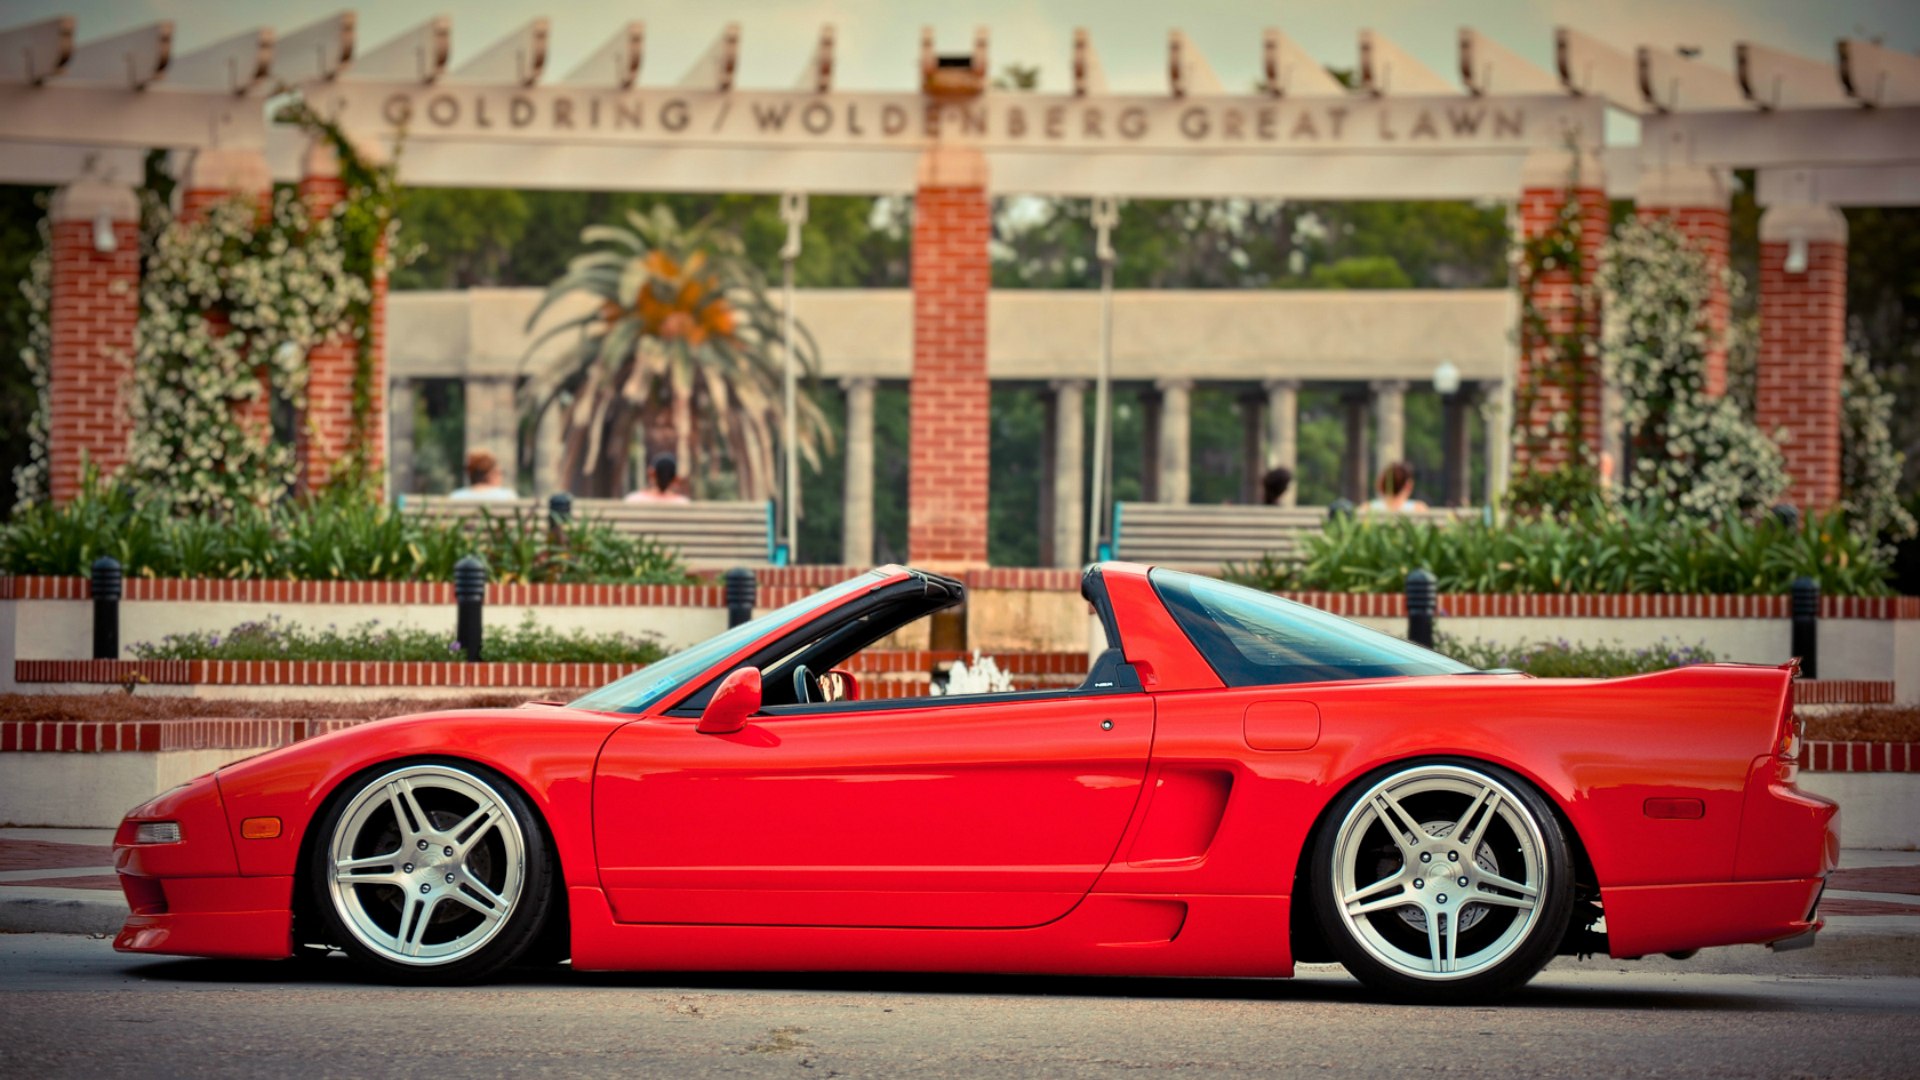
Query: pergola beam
1772, 79
111, 117
1188, 73
516, 59
1089, 77
1592, 68
616, 62
716, 68
1876, 75
316, 53
817, 75
236, 65
1386, 68
1490, 69
1879, 185
417, 55
133, 60
1289, 71
36, 52
1670, 82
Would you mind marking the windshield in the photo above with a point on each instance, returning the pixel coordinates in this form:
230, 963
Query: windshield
1254, 639
648, 685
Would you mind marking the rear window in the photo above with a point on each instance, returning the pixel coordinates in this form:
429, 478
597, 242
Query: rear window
1254, 639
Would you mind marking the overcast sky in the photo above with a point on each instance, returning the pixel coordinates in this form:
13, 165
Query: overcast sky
878, 40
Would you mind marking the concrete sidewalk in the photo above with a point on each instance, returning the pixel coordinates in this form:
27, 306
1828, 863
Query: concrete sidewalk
61, 881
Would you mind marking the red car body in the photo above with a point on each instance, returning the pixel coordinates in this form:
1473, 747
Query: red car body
1158, 831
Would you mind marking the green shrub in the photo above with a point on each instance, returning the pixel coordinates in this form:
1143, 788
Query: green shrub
1602, 550
337, 535
1563, 660
274, 639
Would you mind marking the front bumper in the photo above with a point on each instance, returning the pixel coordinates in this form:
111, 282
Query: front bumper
240, 917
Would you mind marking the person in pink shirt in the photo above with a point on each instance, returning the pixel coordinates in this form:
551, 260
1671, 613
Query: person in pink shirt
661, 473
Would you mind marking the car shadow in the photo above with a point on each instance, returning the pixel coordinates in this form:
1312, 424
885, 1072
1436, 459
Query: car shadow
1321, 983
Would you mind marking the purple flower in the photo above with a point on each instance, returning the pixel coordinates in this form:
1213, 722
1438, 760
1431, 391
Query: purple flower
214, 641
453, 646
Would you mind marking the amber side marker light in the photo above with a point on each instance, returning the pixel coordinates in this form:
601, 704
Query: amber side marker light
260, 828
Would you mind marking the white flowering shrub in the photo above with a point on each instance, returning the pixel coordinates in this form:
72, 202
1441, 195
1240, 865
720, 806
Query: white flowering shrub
1870, 466
1692, 452
30, 477
229, 308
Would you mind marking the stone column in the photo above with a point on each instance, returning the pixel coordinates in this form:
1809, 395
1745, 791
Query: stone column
1803, 314
1555, 398
327, 430
1069, 472
1283, 432
549, 449
400, 409
91, 313
1389, 422
491, 421
1457, 446
1695, 201
1149, 401
950, 394
1253, 458
1499, 443
1356, 477
1176, 440
856, 515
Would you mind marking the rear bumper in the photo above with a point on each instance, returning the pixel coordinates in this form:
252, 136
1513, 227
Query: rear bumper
241, 917
1644, 919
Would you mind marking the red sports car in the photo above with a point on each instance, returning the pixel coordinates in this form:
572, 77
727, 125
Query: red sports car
1240, 784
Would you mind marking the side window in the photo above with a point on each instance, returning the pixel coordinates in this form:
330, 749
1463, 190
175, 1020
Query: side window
1254, 639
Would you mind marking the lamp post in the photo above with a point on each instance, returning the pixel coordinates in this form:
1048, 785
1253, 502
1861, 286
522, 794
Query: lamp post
793, 211
1106, 214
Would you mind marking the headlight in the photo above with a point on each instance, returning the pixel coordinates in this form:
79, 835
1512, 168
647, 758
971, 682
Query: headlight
157, 832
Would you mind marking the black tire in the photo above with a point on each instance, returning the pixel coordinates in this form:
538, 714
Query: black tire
451, 879
1400, 931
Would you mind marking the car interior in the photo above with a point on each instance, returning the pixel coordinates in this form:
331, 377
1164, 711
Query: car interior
799, 671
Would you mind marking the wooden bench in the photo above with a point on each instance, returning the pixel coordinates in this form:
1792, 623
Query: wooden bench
1204, 538
708, 535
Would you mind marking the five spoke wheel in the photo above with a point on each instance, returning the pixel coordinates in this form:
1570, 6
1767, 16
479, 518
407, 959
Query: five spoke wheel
1442, 875
428, 865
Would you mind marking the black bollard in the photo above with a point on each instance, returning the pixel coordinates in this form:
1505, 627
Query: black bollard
107, 584
559, 509
1806, 626
470, 593
1788, 514
1340, 508
742, 591
1423, 599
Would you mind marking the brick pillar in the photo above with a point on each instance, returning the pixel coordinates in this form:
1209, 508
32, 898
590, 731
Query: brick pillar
1803, 313
1547, 180
1694, 200
91, 317
947, 486
327, 427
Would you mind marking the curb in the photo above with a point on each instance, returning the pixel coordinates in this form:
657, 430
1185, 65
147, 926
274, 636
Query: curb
26, 910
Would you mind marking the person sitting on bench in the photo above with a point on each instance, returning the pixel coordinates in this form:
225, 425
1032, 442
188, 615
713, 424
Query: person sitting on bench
662, 472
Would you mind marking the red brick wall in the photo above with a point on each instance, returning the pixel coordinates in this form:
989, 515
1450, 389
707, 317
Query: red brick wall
1802, 334
327, 427
95, 304
947, 508
1706, 226
1552, 294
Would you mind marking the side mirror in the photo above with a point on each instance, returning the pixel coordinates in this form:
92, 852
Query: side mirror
736, 698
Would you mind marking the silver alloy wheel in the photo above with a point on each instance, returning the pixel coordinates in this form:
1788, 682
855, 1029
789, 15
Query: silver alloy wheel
427, 864
1431, 859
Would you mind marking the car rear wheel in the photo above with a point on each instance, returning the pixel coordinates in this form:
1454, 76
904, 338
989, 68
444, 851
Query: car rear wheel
432, 872
1442, 881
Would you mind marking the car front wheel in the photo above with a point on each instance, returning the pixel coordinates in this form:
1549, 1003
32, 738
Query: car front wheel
1442, 881
432, 872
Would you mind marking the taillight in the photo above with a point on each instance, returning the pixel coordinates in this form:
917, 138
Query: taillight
1791, 734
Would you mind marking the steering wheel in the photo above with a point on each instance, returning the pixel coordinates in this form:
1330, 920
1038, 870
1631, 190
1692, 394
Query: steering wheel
803, 685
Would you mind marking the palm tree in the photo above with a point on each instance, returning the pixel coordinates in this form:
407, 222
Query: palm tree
676, 338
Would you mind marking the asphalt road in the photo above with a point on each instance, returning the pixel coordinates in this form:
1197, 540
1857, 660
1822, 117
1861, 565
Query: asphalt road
69, 1006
